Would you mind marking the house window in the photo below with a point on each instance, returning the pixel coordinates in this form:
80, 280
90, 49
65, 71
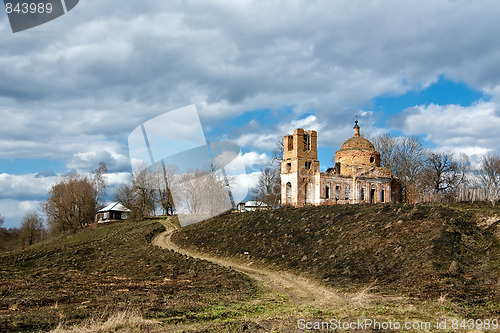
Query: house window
308, 165
337, 192
362, 194
347, 190
288, 167
327, 191
382, 196
307, 139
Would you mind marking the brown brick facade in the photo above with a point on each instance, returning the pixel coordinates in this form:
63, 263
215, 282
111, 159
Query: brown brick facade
357, 176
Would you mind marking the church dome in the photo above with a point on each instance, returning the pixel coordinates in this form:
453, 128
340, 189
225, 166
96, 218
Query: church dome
357, 143
357, 151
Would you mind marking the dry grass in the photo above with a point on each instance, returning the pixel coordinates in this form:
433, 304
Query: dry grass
407, 250
123, 321
106, 270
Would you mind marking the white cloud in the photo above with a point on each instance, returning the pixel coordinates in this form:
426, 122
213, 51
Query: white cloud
8, 208
29, 206
118, 178
328, 57
473, 130
90, 161
14, 210
244, 182
25, 186
73, 89
308, 123
256, 161
257, 140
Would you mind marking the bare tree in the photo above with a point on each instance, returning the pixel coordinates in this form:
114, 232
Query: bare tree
204, 193
268, 188
32, 229
144, 188
410, 159
100, 182
164, 179
444, 172
405, 157
2, 220
150, 189
72, 203
216, 189
489, 176
141, 195
126, 196
278, 149
189, 193
387, 146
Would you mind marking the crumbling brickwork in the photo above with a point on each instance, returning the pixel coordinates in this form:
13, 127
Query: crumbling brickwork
357, 176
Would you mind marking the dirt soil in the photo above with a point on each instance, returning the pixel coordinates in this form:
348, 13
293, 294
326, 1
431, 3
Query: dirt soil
299, 288
422, 251
96, 273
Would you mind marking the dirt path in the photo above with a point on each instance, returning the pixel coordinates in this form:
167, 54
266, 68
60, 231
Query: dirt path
308, 298
299, 288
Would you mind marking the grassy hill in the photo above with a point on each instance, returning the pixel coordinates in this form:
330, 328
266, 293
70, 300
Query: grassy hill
109, 269
417, 250
428, 252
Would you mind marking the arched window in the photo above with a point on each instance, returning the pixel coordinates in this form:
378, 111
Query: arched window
288, 192
307, 141
308, 193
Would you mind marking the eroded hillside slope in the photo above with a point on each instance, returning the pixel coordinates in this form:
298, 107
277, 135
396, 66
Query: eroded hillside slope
423, 251
112, 268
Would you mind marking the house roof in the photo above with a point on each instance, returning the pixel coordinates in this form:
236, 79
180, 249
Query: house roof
116, 207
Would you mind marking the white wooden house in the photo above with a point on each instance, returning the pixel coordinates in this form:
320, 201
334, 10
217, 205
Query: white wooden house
251, 206
112, 212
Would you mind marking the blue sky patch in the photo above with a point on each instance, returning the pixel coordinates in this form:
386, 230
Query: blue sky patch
443, 92
19, 166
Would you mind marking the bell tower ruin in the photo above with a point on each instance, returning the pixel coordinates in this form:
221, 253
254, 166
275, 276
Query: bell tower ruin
300, 168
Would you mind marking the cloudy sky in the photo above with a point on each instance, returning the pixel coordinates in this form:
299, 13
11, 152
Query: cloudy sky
73, 89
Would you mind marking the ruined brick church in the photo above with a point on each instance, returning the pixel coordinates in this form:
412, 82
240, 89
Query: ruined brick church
357, 176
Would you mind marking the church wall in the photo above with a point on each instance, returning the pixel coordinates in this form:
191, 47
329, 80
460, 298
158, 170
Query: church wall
289, 198
337, 186
349, 158
335, 189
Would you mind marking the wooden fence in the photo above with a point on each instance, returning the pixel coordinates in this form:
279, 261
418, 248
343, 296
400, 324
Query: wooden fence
460, 195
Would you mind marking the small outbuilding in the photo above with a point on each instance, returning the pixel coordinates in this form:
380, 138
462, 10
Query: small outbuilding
112, 212
252, 206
